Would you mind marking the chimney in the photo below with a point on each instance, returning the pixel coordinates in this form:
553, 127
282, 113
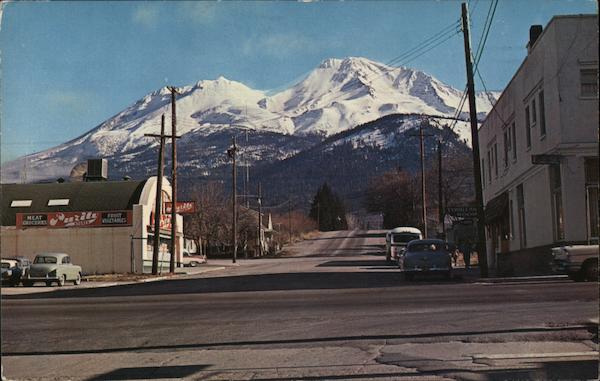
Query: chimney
97, 170
534, 33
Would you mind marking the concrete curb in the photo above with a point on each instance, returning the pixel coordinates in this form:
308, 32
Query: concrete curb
523, 279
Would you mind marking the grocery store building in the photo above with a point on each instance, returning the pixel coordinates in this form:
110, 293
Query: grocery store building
105, 226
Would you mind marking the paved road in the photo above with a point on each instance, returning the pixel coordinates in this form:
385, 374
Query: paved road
330, 309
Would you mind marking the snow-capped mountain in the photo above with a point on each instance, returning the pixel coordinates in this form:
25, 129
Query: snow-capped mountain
338, 95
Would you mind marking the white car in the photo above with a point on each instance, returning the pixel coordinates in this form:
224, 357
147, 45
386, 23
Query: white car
192, 260
579, 262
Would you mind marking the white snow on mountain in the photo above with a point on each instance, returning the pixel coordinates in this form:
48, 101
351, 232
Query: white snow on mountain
339, 94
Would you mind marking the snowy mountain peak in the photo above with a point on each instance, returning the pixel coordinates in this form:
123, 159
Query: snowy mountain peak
338, 95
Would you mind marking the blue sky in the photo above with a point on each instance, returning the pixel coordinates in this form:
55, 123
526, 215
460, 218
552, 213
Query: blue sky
68, 66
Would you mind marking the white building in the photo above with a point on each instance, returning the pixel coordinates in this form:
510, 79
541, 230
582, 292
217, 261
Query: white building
105, 226
539, 149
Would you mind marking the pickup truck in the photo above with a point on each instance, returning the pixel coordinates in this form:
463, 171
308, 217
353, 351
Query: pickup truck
579, 262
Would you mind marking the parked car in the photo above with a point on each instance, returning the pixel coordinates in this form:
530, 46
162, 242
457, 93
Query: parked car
579, 262
11, 272
13, 269
426, 256
53, 267
192, 260
397, 239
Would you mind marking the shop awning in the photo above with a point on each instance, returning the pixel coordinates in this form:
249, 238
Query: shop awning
496, 208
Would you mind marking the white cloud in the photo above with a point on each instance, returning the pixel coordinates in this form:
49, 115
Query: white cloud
277, 45
145, 15
201, 12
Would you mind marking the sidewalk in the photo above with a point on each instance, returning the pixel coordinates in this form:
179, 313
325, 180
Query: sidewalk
110, 280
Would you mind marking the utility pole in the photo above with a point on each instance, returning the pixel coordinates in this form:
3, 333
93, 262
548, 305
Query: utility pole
260, 253
174, 182
232, 152
318, 216
440, 200
290, 218
481, 246
158, 201
423, 199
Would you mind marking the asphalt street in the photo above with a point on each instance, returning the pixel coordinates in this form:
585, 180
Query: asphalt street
329, 309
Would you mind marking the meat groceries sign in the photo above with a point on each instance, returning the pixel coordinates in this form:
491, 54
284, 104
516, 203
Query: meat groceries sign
74, 219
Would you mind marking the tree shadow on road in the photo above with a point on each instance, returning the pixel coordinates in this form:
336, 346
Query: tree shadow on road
243, 283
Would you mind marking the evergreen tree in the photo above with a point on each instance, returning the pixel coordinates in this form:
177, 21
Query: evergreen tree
328, 210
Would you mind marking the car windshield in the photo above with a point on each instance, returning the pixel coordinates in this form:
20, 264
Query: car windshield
44, 259
5, 265
404, 237
424, 247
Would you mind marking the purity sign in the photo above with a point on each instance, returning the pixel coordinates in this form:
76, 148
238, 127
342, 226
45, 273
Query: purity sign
90, 219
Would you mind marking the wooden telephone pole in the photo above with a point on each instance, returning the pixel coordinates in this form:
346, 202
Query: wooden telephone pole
260, 248
158, 201
231, 152
481, 249
174, 182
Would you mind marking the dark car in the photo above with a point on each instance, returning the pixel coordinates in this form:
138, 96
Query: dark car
426, 256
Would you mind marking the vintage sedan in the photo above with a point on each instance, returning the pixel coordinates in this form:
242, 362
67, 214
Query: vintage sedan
426, 256
53, 267
11, 272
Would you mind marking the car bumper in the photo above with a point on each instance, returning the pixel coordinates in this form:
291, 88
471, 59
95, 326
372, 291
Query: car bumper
424, 269
565, 267
41, 279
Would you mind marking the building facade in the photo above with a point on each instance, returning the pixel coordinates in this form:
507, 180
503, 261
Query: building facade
105, 226
539, 150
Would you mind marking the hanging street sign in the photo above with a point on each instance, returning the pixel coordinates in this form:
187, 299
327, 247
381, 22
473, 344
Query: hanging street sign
462, 211
183, 207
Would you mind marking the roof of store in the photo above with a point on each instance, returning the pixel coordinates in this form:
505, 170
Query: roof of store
81, 196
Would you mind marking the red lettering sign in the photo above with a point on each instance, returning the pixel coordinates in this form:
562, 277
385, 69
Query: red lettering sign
183, 207
93, 219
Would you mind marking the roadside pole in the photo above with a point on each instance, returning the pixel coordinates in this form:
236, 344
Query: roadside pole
174, 182
231, 152
481, 245
260, 248
441, 213
423, 197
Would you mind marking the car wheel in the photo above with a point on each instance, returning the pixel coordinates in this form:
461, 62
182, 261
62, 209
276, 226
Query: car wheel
48, 283
448, 275
193, 264
409, 276
77, 280
61, 280
590, 270
27, 283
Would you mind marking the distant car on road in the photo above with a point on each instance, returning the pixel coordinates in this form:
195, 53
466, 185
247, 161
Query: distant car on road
11, 272
192, 260
426, 256
53, 267
397, 239
579, 262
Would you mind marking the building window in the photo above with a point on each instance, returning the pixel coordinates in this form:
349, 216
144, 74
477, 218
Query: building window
533, 113
591, 187
557, 209
514, 141
527, 127
489, 157
20, 204
542, 114
506, 146
521, 216
483, 173
58, 202
589, 83
512, 219
495, 149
